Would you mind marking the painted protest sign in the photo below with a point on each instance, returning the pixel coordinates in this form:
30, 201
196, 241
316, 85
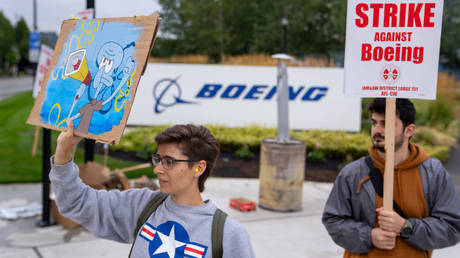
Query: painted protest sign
392, 48
93, 76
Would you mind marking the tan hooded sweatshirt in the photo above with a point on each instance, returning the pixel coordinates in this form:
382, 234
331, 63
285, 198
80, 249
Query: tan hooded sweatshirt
408, 194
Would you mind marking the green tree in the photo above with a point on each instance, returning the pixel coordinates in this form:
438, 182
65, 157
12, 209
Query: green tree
238, 19
6, 43
267, 32
194, 24
217, 27
21, 38
450, 48
314, 26
317, 27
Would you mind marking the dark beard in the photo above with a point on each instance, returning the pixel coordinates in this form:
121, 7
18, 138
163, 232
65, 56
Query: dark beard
398, 144
374, 139
380, 148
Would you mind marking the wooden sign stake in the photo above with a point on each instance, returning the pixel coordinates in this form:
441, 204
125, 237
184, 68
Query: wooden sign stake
136, 167
34, 147
106, 153
388, 180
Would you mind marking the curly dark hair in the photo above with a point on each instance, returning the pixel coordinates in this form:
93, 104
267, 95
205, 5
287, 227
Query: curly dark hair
195, 142
405, 109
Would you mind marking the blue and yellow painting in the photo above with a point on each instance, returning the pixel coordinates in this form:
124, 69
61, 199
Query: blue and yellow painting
93, 78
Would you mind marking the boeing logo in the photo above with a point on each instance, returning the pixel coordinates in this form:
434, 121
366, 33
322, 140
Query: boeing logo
255, 92
167, 93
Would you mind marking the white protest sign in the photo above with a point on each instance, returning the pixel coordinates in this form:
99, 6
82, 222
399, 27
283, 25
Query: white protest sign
46, 53
86, 14
392, 48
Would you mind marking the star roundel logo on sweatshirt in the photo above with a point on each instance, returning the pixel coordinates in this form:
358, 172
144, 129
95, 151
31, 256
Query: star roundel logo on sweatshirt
170, 239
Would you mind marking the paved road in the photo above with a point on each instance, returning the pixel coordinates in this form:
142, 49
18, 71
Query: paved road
11, 86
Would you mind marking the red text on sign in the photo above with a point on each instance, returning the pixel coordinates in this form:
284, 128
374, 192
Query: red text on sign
392, 36
396, 15
390, 53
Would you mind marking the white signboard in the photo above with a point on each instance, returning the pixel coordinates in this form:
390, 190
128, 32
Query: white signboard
34, 46
392, 48
238, 96
46, 53
86, 14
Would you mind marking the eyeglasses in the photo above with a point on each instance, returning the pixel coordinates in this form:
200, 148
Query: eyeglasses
167, 162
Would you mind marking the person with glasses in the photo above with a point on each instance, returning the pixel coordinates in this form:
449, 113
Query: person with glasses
181, 225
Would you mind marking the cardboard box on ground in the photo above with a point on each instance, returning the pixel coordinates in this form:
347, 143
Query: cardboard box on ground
100, 177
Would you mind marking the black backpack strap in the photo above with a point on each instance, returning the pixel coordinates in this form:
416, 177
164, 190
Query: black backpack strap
377, 181
217, 234
150, 208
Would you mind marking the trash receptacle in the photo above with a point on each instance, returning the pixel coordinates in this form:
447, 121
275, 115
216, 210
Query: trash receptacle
281, 174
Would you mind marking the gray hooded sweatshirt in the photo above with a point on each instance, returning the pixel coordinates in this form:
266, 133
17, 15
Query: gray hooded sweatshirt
349, 217
174, 230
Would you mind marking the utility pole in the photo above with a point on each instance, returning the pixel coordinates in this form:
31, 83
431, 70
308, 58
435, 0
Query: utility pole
46, 154
35, 15
89, 143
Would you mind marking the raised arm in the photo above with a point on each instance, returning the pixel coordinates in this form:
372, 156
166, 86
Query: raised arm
108, 214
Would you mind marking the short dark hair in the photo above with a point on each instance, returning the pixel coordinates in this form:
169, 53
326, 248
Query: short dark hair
405, 109
195, 142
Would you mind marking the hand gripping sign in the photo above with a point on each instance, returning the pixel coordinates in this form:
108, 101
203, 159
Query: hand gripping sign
93, 76
392, 51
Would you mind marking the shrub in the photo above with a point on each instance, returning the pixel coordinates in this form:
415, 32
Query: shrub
316, 156
321, 145
244, 153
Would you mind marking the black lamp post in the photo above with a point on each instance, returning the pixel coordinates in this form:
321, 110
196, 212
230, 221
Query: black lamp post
46, 148
90, 144
284, 23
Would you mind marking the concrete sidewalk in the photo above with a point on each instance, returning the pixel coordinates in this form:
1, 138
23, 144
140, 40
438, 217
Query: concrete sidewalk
296, 234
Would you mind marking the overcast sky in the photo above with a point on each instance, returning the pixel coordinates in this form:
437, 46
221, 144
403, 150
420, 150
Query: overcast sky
50, 13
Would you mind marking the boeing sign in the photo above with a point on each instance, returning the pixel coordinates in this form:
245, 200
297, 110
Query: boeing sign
242, 95
255, 92
167, 93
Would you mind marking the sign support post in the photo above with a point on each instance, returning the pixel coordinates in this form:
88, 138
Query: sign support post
90, 143
388, 181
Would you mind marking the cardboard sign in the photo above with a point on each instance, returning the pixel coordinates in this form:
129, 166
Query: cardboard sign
46, 53
392, 48
93, 76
